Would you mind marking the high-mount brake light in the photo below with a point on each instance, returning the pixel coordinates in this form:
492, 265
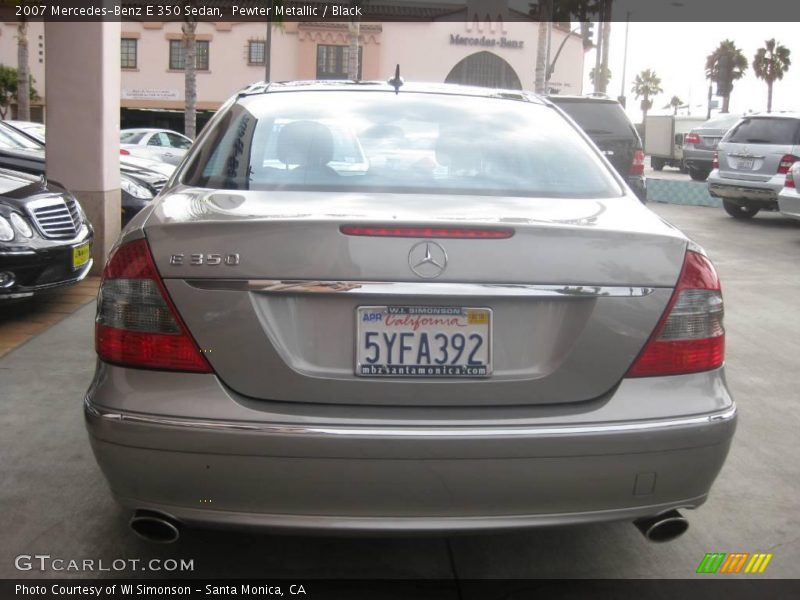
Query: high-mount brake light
690, 336
472, 233
137, 324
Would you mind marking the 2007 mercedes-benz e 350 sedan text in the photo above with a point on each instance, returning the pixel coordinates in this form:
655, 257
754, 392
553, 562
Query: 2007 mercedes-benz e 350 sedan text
373, 307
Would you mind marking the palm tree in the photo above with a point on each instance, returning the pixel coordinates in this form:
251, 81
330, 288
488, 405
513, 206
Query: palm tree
675, 103
353, 33
725, 65
189, 40
646, 85
23, 73
770, 63
606, 77
540, 73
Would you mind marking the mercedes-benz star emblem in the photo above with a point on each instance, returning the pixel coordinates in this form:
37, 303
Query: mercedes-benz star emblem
427, 259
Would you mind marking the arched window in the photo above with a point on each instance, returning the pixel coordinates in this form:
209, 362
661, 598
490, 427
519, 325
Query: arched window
484, 69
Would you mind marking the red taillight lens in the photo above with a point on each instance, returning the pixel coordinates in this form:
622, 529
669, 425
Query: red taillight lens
637, 166
786, 163
494, 233
789, 183
124, 152
690, 336
715, 161
137, 325
691, 138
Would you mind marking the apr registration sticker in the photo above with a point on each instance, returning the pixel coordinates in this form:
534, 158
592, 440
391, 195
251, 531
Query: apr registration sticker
423, 341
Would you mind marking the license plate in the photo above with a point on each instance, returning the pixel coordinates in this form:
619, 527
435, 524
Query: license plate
745, 163
80, 255
423, 341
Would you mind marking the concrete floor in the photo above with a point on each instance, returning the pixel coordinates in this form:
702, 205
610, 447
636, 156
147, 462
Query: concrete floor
54, 500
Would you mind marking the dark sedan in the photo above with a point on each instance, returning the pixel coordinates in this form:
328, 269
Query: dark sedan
45, 238
140, 179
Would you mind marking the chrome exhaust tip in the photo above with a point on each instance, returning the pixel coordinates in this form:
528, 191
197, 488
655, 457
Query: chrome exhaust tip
155, 527
664, 527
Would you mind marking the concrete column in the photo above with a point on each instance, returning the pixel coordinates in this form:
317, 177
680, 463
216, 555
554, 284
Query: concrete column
83, 88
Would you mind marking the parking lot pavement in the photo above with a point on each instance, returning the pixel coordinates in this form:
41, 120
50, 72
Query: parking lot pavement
54, 500
21, 321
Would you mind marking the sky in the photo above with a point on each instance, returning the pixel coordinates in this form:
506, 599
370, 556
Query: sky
677, 52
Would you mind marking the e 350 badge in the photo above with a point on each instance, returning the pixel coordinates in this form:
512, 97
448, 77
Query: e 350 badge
210, 259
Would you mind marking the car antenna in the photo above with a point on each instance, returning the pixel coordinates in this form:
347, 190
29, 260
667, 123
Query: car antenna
396, 82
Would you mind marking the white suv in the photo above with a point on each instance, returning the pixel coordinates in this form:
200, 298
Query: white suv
752, 162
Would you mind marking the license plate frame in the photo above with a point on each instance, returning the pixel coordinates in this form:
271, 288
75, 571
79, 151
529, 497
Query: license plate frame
80, 255
428, 319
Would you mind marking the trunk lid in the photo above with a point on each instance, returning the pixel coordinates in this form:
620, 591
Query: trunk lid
573, 294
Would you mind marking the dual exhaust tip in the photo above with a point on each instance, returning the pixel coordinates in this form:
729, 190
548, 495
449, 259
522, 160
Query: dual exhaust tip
159, 528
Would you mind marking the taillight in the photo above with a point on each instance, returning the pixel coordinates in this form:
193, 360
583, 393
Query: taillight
691, 138
715, 161
689, 337
480, 233
789, 183
137, 325
637, 166
124, 152
786, 163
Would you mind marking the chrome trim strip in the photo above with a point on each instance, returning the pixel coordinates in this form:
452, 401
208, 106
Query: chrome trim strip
401, 432
416, 288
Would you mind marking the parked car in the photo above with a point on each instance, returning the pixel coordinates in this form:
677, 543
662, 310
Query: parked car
155, 144
789, 198
606, 123
301, 346
701, 143
31, 128
140, 179
45, 239
752, 161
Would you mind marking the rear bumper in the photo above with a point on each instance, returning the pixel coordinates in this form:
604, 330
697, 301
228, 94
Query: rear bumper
764, 195
638, 183
305, 471
697, 158
789, 205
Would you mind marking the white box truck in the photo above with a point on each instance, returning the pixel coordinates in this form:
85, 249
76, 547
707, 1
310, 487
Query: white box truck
663, 139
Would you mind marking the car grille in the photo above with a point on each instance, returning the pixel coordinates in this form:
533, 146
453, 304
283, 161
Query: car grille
57, 218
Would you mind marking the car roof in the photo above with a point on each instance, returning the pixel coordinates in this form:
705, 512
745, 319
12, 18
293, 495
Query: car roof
784, 114
384, 86
557, 98
147, 130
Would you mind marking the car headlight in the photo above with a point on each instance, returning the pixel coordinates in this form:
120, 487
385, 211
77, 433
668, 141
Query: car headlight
6, 232
21, 225
135, 190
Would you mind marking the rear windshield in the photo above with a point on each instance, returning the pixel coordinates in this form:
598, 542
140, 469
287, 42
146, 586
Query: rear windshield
598, 118
130, 137
764, 130
406, 142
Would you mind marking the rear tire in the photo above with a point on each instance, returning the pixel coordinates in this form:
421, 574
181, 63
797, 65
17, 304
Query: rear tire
698, 174
737, 211
657, 163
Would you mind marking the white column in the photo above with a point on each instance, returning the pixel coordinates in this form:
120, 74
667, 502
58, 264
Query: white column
82, 71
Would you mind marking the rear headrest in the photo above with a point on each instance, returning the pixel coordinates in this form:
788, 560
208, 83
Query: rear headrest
305, 143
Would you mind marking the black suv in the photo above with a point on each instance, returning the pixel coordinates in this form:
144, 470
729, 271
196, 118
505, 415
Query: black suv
605, 121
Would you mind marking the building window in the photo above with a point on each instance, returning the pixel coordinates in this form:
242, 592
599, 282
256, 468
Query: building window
256, 52
127, 53
177, 55
332, 61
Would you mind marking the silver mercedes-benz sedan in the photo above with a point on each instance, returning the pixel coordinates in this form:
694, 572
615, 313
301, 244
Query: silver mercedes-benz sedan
367, 306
